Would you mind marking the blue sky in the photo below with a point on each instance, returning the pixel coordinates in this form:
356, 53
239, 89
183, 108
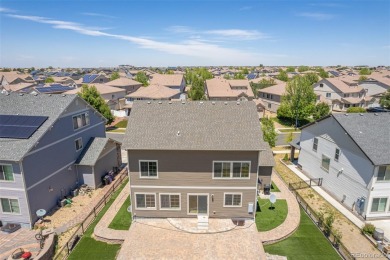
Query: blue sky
194, 33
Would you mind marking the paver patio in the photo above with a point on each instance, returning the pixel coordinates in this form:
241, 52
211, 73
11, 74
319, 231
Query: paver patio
22, 238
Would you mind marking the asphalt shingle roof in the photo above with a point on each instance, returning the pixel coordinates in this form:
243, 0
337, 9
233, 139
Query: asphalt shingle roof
371, 132
267, 158
196, 125
92, 150
51, 106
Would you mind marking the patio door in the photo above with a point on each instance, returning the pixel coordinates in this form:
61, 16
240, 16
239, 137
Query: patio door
198, 204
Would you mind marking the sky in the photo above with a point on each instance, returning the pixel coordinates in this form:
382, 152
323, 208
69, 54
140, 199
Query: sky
92, 33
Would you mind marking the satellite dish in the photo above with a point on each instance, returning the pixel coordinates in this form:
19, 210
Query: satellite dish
129, 209
272, 198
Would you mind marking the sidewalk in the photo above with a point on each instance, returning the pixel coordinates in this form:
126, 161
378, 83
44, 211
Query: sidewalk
354, 219
105, 234
291, 223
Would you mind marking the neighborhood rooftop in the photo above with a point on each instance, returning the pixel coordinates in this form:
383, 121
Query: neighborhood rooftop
93, 150
51, 106
196, 125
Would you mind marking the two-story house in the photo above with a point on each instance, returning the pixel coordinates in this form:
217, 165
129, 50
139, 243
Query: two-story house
195, 158
172, 81
228, 90
272, 96
49, 145
351, 153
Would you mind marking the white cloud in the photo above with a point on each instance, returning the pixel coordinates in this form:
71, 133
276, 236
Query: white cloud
245, 8
238, 34
99, 15
6, 10
317, 16
192, 47
180, 29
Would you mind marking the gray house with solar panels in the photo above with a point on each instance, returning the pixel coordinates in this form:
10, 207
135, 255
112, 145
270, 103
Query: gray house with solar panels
189, 159
49, 145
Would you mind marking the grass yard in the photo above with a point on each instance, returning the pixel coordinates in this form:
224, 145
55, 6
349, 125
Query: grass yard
89, 248
122, 220
274, 188
289, 130
121, 124
266, 218
306, 243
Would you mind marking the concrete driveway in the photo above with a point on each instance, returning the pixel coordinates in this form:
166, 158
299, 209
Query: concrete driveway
158, 239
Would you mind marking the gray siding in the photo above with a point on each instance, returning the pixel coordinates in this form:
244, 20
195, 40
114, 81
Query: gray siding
86, 175
105, 163
192, 168
216, 208
265, 173
357, 171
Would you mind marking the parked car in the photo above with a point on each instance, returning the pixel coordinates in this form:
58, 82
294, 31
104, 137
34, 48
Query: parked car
377, 109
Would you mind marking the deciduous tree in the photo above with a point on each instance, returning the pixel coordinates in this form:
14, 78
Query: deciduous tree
365, 71
114, 76
49, 80
92, 96
385, 100
142, 78
282, 75
269, 133
321, 109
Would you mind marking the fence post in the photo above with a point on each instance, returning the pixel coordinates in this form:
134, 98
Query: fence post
105, 201
310, 182
67, 247
82, 227
94, 211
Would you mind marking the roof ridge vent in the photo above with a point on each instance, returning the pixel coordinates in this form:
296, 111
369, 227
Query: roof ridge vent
361, 114
201, 102
170, 102
238, 102
149, 102
35, 94
376, 114
178, 133
183, 102
63, 95
225, 103
345, 114
20, 94
160, 102
213, 102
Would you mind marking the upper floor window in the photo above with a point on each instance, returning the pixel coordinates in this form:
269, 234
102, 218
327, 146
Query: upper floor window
384, 173
321, 85
325, 163
337, 154
328, 95
346, 95
231, 169
148, 169
9, 205
81, 120
6, 173
315, 144
79, 144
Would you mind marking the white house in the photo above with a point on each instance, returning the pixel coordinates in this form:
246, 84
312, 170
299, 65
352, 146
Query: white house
351, 152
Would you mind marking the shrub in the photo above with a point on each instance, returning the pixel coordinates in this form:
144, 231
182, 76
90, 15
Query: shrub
329, 222
356, 110
285, 158
368, 229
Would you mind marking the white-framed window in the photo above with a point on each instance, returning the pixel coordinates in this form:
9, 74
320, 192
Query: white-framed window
325, 163
148, 169
328, 95
80, 120
6, 172
383, 173
269, 105
10, 205
79, 144
145, 201
232, 199
378, 204
231, 170
170, 201
337, 155
315, 144
321, 85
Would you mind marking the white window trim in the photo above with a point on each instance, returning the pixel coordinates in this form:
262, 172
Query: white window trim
147, 177
232, 206
382, 181
330, 160
174, 209
231, 171
13, 173
198, 194
387, 209
335, 152
82, 144
145, 193
11, 213
88, 122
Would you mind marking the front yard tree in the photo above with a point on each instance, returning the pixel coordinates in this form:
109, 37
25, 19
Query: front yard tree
49, 80
282, 75
269, 133
365, 71
321, 109
142, 78
312, 78
385, 100
290, 69
114, 76
323, 74
92, 96
197, 89
299, 100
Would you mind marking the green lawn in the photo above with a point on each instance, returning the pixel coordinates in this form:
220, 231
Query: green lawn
122, 220
121, 124
289, 130
116, 130
89, 248
306, 243
267, 218
274, 188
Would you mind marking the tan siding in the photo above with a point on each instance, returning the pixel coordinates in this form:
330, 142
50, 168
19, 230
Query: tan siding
190, 168
215, 205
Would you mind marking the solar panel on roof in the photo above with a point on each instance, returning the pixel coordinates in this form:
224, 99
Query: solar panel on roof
20, 127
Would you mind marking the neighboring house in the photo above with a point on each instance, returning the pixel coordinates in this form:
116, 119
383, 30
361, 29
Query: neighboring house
341, 95
351, 153
21, 87
173, 81
196, 158
41, 139
375, 86
114, 97
51, 89
64, 81
16, 82
228, 90
93, 79
128, 84
272, 96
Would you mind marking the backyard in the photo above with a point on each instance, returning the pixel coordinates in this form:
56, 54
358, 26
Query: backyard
122, 219
88, 247
307, 242
268, 217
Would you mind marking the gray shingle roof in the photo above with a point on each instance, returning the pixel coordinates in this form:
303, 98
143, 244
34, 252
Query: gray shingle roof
267, 158
92, 150
31, 105
371, 132
205, 125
